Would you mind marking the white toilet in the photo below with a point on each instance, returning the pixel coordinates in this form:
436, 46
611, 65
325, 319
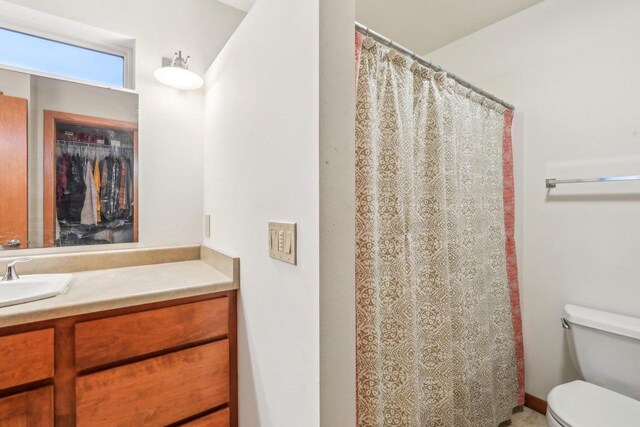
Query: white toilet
605, 347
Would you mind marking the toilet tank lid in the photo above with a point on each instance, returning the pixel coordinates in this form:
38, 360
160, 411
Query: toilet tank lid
610, 322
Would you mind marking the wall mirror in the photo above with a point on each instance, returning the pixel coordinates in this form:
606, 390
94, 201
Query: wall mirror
68, 163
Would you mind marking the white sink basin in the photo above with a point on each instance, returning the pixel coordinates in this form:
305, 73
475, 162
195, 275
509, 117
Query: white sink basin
33, 287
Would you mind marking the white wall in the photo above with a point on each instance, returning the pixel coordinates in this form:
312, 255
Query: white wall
15, 84
571, 68
337, 214
171, 121
261, 163
244, 5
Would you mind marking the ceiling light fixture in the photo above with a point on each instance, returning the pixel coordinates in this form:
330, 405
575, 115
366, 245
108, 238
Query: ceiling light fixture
175, 73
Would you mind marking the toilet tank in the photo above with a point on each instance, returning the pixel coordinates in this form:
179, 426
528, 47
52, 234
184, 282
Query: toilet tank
605, 347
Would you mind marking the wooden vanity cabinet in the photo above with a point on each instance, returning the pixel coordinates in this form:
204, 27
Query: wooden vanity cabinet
169, 363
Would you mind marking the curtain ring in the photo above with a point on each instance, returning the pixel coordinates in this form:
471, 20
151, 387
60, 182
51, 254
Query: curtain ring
392, 54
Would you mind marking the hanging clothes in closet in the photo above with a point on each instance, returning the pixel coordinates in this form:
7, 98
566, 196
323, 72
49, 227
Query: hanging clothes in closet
89, 214
116, 188
70, 187
96, 181
94, 195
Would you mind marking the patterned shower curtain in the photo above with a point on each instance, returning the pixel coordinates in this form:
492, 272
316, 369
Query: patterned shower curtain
439, 339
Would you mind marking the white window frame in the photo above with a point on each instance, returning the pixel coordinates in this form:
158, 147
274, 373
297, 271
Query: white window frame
57, 29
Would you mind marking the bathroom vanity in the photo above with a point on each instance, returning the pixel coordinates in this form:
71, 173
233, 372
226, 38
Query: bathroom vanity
141, 345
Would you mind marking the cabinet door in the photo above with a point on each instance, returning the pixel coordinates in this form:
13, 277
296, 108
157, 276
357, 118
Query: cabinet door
26, 357
13, 172
103, 341
157, 391
29, 409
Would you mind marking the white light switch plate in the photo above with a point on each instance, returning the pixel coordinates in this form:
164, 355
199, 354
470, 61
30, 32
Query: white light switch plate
282, 241
207, 225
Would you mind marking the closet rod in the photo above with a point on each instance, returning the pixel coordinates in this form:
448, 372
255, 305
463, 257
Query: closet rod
390, 43
91, 144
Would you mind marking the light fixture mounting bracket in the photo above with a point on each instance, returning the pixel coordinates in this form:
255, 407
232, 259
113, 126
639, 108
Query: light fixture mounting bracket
177, 61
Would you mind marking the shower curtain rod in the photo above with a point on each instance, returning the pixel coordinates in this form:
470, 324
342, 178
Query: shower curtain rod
390, 43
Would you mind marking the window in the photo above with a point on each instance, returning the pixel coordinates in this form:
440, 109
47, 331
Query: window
47, 56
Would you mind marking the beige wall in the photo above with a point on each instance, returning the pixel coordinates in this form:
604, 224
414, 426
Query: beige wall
337, 214
570, 67
171, 121
261, 155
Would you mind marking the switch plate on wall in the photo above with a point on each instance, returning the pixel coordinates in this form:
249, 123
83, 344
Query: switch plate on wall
207, 225
282, 241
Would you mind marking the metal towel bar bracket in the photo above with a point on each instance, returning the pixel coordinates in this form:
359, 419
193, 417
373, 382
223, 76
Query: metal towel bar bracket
552, 182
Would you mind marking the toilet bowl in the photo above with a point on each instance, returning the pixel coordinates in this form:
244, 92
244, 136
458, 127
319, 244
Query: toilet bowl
605, 347
582, 404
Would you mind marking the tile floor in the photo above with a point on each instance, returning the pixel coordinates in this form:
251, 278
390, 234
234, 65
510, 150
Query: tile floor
528, 418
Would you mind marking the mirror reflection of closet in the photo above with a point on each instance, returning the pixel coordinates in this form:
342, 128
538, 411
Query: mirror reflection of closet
42, 119
90, 180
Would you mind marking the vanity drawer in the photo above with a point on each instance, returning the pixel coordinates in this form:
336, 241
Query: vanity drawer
157, 391
99, 342
221, 418
31, 409
26, 357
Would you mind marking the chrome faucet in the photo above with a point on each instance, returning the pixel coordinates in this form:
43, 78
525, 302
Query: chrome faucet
11, 273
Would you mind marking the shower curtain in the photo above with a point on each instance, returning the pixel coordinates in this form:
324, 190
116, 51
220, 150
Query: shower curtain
439, 339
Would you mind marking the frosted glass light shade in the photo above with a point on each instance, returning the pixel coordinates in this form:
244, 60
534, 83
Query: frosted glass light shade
178, 77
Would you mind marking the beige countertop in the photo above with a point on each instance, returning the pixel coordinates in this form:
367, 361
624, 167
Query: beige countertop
106, 289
